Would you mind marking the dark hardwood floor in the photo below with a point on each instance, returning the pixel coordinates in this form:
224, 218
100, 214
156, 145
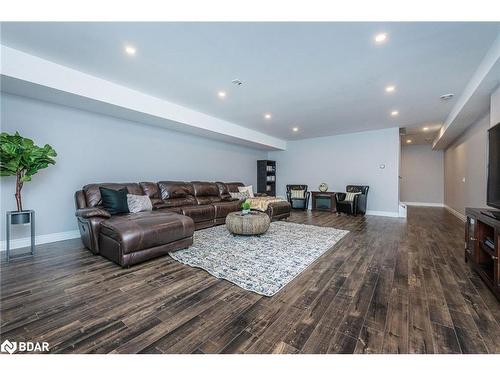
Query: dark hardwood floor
390, 286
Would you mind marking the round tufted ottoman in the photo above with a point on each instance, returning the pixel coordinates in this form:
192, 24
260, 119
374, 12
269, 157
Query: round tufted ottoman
248, 225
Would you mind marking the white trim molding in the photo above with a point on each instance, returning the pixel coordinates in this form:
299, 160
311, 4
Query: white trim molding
424, 204
460, 215
403, 212
382, 213
40, 239
28, 75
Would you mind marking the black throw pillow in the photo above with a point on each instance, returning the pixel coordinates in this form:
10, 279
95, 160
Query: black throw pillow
114, 201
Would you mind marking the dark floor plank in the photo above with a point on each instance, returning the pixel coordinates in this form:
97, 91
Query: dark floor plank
391, 285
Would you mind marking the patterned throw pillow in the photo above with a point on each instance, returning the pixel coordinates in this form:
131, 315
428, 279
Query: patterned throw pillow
241, 195
139, 203
297, 194
249, 189
350, 196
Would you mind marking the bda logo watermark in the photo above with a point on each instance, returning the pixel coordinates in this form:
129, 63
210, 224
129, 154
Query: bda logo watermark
24, 346
8, 347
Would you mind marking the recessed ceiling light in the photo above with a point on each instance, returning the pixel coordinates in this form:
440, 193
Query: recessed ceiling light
394, 113
380, 38
267, 116
390, 88
221, 94
425, 129
130, 50
295, 129
408, 141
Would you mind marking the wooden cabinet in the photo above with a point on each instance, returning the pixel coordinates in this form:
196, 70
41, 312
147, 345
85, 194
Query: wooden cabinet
324, 201
482, 240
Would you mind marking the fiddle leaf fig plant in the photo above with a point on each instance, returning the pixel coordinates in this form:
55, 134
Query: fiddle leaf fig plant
20, 157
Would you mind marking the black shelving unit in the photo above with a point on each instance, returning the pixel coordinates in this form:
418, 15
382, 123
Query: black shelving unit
266, 177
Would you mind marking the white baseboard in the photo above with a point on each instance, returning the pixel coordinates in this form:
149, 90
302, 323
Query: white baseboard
460, 215
424, 204
382, 213
40, 239
403, 210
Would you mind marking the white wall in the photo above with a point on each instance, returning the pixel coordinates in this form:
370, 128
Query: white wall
422, 174
465, 168
342, 160
466, 162
97, 148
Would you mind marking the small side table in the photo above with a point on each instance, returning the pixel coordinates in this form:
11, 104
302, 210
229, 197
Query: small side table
324, 201
16, 218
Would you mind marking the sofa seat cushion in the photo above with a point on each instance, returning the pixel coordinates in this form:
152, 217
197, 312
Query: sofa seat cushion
199, 213
176, 202
144, 230
222, 209
208, 200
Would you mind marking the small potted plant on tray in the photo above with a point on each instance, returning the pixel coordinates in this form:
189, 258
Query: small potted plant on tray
245, 207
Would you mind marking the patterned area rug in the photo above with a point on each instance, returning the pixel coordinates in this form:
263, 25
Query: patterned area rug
262, 264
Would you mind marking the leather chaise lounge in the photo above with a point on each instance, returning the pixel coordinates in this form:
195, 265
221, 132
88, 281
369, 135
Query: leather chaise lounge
179, 208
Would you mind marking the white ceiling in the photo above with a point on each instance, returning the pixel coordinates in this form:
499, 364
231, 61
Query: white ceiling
325, 78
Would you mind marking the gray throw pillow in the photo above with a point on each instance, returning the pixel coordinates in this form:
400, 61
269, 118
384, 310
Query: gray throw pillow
138, 203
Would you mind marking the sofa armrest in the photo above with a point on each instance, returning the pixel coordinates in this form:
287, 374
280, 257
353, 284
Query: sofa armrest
87, 213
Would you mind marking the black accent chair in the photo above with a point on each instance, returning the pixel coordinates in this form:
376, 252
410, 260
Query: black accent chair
299, 203
357, 205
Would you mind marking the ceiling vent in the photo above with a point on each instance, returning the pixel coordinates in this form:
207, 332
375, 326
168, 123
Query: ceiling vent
237, 82
402, 131
446, 97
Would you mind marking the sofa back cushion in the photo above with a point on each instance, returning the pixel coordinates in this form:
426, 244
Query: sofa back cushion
205, 189
223, 191
152, 190
176, 194
206, 192
93, 195
175, 189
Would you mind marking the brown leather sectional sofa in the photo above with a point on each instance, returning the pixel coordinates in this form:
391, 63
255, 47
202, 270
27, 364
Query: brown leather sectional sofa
179, 208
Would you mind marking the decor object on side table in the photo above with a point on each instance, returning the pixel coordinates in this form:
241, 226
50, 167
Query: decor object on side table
20, 157
249, 224
353, 201
298, 196
323, 187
